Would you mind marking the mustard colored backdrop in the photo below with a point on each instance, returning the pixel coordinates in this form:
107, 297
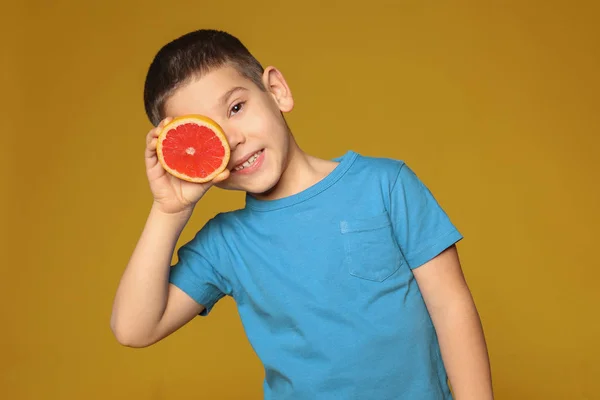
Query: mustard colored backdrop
495, 105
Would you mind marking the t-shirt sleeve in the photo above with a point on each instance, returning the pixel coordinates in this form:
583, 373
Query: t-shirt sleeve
422, 228
195, 274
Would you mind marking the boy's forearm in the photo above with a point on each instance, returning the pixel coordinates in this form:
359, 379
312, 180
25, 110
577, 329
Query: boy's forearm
464, 350
142, 294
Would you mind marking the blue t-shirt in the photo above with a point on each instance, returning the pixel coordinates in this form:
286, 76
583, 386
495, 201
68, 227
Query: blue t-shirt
324, 286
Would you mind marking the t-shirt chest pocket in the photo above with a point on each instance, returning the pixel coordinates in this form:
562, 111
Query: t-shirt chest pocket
371, 251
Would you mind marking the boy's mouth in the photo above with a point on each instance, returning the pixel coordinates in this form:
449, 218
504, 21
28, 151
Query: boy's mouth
248, 161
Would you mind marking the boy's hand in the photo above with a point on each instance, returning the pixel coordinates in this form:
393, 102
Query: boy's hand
171, 194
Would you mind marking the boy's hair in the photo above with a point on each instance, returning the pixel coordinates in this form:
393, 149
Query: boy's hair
190, 56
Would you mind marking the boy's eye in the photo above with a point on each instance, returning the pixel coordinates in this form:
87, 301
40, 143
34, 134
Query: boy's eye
236, 108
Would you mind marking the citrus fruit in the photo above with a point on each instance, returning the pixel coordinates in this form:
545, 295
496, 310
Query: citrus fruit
193, 148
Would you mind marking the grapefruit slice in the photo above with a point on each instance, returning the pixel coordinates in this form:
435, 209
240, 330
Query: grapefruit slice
193, 148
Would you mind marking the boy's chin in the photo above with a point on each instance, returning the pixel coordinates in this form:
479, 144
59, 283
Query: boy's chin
255, 188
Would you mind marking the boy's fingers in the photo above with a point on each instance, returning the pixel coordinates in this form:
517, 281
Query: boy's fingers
153, 134
221, 177
164, 122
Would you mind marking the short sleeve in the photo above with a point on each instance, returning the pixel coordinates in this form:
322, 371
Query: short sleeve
422, 228
196, 275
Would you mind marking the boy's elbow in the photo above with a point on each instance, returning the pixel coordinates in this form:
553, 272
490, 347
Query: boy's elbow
129, 338
131, 341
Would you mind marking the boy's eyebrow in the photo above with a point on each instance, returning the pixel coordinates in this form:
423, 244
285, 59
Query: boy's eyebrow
230, 92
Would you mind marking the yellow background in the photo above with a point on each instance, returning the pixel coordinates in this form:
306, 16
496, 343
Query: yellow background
495, 105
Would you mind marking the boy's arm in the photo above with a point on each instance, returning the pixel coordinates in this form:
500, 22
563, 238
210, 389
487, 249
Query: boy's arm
146, 307
457, 325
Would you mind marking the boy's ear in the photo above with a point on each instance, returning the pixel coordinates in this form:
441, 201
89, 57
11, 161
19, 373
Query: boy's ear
276, 85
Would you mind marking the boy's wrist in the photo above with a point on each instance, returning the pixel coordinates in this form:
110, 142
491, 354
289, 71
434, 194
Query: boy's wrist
180, 216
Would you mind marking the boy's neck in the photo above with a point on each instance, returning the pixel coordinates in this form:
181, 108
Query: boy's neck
301, 172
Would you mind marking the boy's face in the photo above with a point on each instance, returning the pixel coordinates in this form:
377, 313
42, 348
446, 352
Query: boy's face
251, 119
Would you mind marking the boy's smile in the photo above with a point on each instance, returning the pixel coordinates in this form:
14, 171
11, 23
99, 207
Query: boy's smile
248, 164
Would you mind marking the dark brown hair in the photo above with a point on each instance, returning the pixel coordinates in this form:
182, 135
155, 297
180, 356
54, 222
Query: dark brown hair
190, 56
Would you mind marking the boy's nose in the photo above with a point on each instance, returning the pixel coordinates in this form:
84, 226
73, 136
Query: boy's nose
234, 137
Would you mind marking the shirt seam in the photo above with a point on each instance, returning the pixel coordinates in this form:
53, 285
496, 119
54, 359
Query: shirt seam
434, 243
311, 196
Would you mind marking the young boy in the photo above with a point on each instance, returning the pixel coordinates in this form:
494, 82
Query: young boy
345, 271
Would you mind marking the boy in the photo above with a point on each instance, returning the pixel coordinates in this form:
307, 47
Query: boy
345, 271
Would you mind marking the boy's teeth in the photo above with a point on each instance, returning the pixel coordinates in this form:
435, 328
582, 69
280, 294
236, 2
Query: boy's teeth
249, 162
